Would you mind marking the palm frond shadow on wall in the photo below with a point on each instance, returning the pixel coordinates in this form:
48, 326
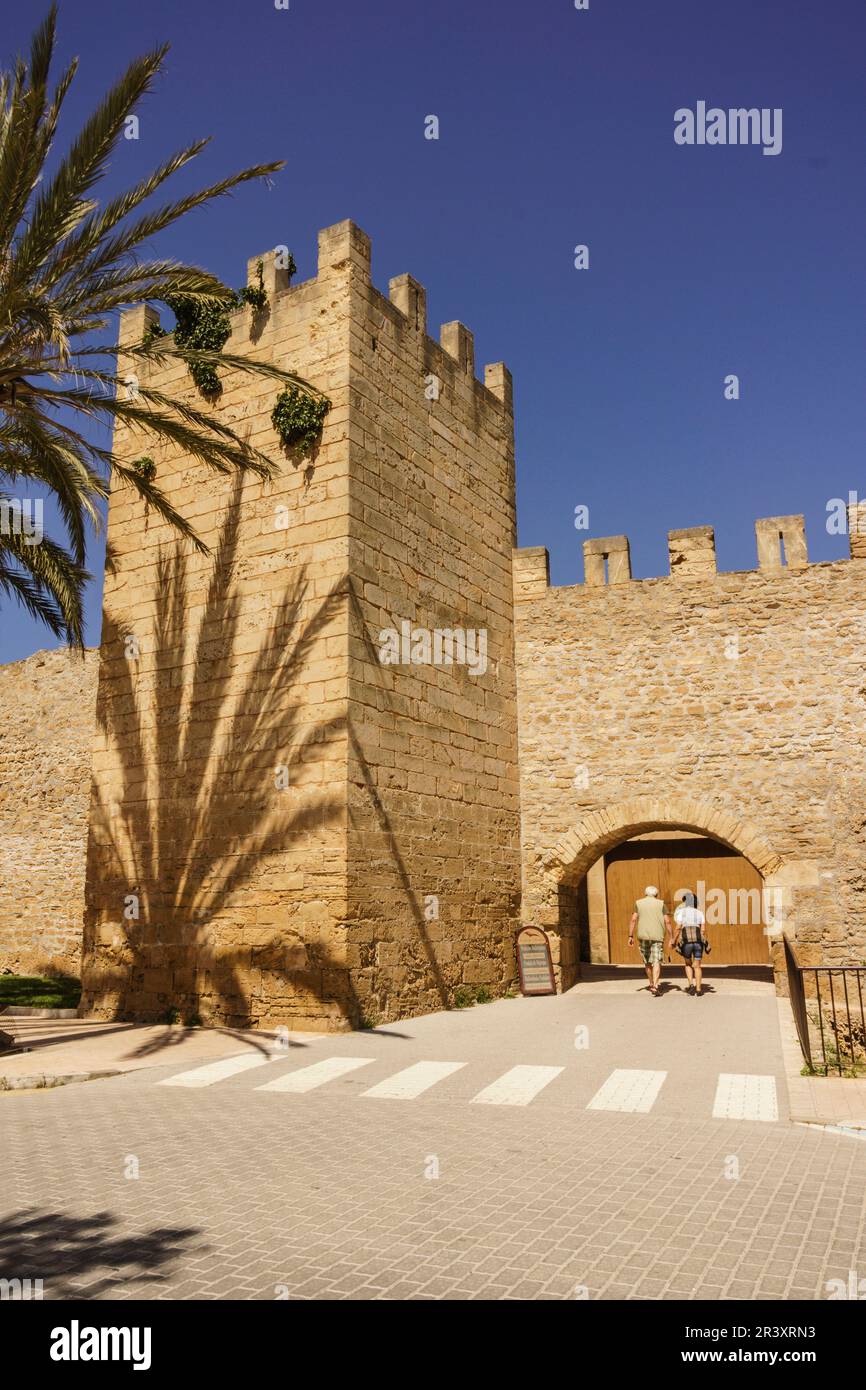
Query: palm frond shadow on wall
195, 815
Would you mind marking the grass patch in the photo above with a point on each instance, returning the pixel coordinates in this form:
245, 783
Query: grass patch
467, 995
836, 1066
844, 1048
38, 992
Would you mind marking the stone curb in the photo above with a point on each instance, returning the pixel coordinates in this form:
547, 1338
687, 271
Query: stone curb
41, 1081
24, 1011
830, 1122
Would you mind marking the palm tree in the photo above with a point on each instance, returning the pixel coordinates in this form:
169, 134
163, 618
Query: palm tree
67, 264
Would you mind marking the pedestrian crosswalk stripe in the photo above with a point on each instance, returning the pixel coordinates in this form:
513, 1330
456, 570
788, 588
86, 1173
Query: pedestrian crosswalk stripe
412, 1081
308, 1078
634, 1091
218, 1071
741, 1096
518, 1086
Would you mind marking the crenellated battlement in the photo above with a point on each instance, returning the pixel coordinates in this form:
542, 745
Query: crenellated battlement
781, 549
344, 251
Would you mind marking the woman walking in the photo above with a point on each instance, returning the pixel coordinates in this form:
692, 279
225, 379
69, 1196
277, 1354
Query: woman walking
690, 940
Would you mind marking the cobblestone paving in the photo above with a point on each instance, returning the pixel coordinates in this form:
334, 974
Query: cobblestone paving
237, 1195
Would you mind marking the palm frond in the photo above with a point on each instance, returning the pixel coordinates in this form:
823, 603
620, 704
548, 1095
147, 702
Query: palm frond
92, 234
154, 497
67, 264
51, 570
162, 350
63, 205
20, 164
56, 458
217, 451
33, 596
146, 227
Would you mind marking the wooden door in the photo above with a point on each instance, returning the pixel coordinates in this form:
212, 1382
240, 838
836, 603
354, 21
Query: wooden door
727, 885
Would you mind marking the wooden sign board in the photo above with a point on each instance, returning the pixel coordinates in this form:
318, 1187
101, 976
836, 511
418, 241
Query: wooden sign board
534, 964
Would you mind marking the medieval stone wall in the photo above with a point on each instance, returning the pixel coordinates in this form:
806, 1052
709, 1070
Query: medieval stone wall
219, 808
733, 704
209, 889
46, 733
433, 854
295, 818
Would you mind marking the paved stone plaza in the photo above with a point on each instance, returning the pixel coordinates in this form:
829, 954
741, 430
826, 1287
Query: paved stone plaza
459, 1155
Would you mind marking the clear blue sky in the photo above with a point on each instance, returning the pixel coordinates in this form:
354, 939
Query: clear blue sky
556, 128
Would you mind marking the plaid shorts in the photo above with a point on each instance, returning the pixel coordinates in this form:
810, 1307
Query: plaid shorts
652, 951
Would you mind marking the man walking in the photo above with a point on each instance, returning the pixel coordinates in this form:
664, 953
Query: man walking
652, 922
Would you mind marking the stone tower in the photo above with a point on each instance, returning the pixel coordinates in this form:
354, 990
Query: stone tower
290, 821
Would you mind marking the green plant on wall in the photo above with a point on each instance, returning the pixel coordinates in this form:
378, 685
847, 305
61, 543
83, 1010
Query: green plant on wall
206, 326
151, 333
145, 467
298, 419
202, 326
255, 295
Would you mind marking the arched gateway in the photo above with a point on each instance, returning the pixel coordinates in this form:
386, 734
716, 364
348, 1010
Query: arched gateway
603, 829
599, 866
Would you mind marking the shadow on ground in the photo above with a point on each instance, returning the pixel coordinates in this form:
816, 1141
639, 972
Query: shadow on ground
87, 1257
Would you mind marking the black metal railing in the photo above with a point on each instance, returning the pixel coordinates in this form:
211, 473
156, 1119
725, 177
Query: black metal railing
827, 1004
